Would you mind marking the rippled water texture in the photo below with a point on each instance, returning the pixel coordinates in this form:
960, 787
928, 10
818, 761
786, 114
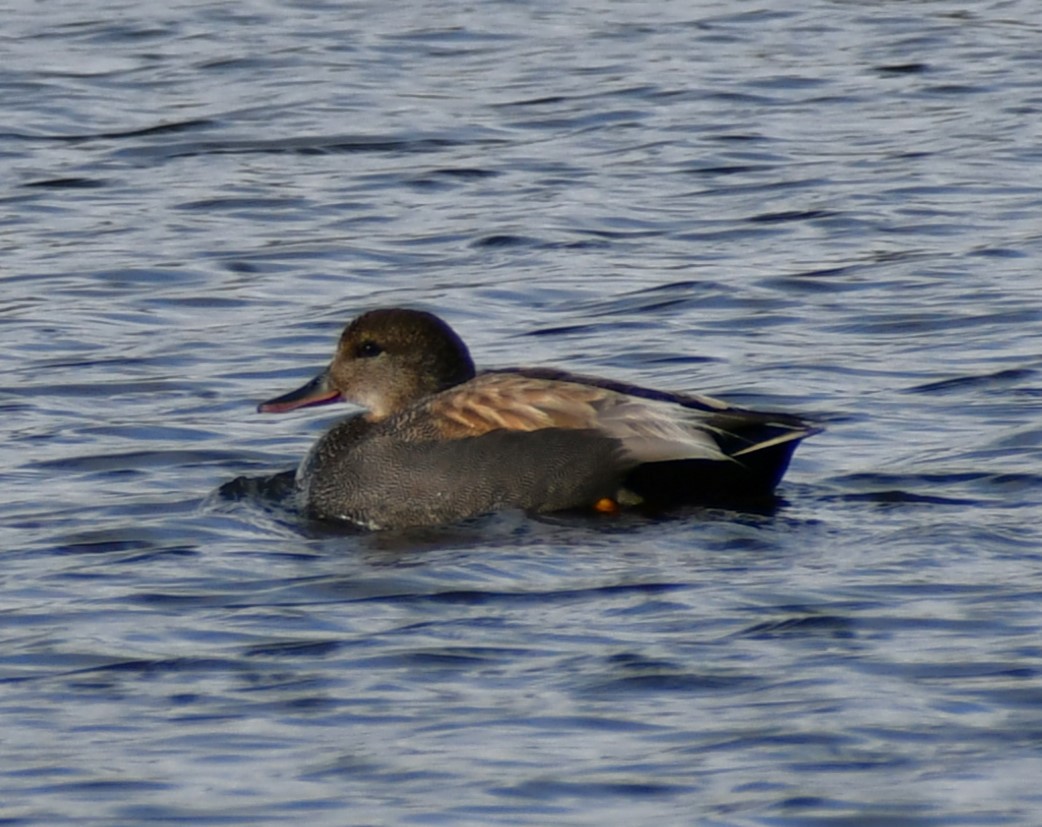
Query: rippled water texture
831, 208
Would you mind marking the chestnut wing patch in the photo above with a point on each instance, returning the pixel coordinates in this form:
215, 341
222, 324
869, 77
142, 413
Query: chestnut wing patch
502, 401
647, 430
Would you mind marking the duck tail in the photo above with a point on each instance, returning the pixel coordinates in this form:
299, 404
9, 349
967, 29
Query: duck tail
755, 450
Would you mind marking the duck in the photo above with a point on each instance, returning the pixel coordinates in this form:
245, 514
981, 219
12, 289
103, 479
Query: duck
438, 441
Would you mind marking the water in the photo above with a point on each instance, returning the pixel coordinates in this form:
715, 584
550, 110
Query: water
831, 210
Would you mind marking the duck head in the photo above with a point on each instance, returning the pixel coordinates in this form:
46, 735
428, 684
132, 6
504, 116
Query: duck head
385, 361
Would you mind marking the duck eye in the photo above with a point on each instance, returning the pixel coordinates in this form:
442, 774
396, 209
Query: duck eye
367, 349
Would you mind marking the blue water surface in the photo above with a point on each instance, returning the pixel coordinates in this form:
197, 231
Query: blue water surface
828, 208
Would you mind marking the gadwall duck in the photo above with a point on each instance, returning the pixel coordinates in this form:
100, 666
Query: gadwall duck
440, 442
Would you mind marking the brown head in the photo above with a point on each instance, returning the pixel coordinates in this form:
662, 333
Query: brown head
385, 361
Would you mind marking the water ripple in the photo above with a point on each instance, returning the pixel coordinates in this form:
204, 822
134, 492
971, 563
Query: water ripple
827, 209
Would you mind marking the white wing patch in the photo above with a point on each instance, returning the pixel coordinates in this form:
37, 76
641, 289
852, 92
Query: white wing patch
655, 431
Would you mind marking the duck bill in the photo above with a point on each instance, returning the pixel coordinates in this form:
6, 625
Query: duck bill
316, 392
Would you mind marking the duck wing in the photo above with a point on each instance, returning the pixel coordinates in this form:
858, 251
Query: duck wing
649, 426
688, 447
738, 431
